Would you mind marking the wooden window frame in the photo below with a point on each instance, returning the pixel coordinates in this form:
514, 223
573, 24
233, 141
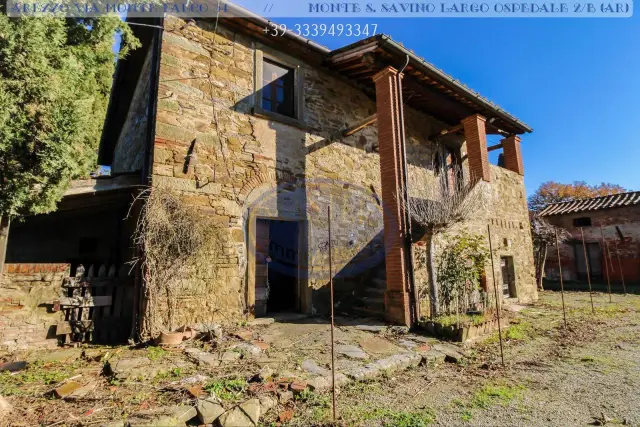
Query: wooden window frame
262, 53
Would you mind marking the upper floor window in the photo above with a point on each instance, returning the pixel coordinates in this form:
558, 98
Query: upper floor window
278, 90
582, 222
279, 87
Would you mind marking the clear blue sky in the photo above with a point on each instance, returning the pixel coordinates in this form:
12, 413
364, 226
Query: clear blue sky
575, 81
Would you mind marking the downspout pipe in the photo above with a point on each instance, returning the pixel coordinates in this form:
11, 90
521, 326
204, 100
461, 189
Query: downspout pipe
407, 213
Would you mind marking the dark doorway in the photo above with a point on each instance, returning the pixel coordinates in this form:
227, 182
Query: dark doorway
276, 266
508, 277
594, 253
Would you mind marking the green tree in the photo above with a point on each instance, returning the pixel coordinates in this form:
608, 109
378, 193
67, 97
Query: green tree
555, 192
55, 80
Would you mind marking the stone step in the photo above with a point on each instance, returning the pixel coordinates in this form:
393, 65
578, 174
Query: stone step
379, 283
373, 302
368, 312
374, 292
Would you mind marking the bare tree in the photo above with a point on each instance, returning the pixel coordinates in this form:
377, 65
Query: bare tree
543, 235
438, 205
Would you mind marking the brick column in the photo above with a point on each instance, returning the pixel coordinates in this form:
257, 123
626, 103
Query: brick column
476, 135
512, 154
390, 138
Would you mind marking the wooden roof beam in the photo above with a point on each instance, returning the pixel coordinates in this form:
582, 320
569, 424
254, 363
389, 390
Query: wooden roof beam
360, 125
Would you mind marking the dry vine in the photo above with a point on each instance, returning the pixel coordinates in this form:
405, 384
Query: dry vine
440, 204
173, 237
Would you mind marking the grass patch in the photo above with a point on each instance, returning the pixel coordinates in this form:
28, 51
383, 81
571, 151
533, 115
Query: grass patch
359, 388
489, 396
391, 417
522, 331
36, 374
311, 398
227, 388
602, 360
467, 415
421, 418
171, 374
156, 353
463, 319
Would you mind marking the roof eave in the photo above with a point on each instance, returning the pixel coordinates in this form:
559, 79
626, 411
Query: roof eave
455, 84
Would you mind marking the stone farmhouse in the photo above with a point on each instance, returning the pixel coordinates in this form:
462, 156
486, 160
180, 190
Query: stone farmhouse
611, 228
263, 133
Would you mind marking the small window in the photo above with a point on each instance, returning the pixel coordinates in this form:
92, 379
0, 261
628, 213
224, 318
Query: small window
582, 222
278, 89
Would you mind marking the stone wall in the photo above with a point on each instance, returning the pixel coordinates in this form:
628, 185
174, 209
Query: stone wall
26, 320
626, 219
239, 167
504, 209
129, 151
242, 167
507, 213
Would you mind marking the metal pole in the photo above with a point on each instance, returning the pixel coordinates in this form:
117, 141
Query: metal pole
586, 261
564, 311
333, 353
620, 267
610, 260
495, 289
606, 266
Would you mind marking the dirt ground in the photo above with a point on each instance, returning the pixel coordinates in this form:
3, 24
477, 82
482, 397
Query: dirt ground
588, 374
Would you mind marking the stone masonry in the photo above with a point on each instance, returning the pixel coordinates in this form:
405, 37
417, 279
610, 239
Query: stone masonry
624, 219
25, 318
238, 166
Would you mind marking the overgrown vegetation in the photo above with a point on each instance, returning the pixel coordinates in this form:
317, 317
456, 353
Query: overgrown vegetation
460, 267
55, 80
463, 319
176, 239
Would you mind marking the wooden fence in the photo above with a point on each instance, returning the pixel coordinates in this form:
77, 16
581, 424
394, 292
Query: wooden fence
98, 305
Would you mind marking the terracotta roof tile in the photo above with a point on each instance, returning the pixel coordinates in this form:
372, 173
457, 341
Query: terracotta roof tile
592, 204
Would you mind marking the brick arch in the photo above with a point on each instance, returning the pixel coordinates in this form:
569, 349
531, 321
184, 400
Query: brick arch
255, 179
258, 179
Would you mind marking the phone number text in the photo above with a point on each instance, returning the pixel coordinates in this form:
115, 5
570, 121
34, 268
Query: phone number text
314, 30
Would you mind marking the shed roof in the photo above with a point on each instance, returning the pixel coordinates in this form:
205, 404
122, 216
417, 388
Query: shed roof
593, 204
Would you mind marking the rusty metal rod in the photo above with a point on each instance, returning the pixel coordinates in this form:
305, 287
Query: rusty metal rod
624, 287
495, 289
606, 265
610, 260
333, 353
586, 261
564, 311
